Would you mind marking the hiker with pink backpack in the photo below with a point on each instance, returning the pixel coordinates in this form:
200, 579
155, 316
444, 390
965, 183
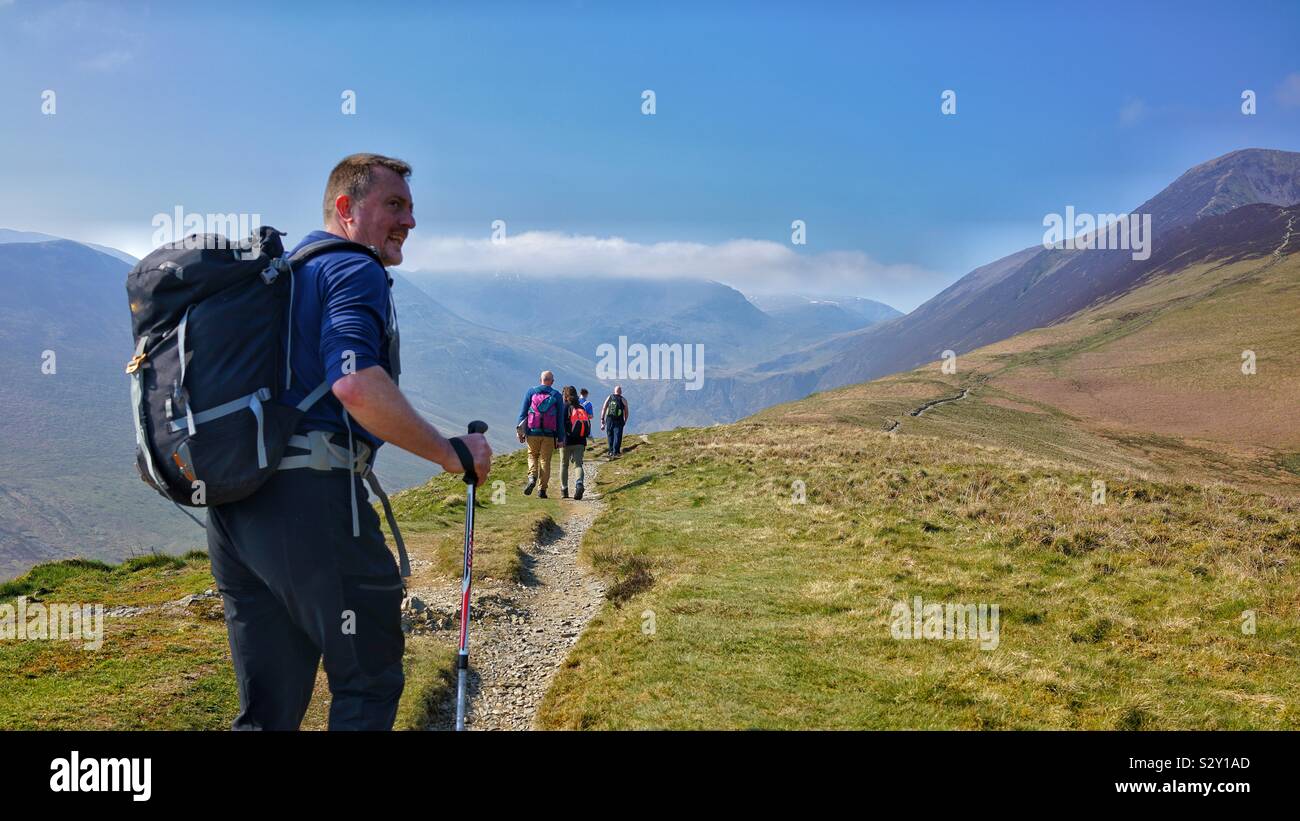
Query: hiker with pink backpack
541, 426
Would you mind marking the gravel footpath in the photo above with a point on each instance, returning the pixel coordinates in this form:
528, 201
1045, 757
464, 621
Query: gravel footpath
520, 634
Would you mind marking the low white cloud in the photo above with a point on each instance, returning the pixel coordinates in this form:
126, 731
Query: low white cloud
750, 265
1288, 94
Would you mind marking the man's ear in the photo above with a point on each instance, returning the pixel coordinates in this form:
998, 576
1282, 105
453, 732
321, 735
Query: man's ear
343, 208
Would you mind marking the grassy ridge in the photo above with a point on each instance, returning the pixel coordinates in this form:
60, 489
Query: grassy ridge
164, 668
156, 670
772, 614
1148, 384
168, 668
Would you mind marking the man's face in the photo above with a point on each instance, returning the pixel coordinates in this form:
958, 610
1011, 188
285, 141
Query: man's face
384, 216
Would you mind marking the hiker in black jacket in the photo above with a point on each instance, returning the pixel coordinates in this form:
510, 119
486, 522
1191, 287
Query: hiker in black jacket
613, 417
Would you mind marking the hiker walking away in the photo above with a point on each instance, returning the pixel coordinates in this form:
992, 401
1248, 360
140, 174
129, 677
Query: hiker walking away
613, 416
577, 427
586, 405
301, 563
541, 425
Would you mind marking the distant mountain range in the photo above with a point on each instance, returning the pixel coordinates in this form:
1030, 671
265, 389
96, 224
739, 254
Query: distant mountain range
1030, 288
7, 235
581, 313
823, 314
67, 481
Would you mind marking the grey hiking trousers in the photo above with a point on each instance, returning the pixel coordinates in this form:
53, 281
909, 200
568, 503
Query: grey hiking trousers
297, 584
572, 454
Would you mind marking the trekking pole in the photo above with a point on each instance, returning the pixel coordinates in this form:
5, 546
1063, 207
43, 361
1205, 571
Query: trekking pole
462, 659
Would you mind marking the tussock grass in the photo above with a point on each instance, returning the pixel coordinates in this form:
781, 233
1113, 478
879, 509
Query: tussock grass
430, 670
157, 670
142, 580
160, 669
170, 669
773, 614
432, 519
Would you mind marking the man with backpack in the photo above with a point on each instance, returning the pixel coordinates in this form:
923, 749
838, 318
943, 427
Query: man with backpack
302, 567
613, 416
586, 405
541, 425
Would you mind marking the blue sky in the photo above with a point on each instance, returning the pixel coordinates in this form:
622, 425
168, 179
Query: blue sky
531, 113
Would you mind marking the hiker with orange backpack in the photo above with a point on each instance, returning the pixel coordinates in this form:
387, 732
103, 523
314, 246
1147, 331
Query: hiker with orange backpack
577, 428
541, 426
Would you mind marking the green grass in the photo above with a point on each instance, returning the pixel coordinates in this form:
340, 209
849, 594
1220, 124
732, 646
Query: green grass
771, 614
1291, 462
430, 676
171, 670
138, 581
432, 519
155, 670
733, 606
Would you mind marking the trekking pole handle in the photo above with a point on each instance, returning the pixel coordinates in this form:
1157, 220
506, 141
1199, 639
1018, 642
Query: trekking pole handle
471, 478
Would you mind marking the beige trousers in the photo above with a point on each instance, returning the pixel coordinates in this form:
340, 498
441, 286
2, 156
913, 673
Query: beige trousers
540, 449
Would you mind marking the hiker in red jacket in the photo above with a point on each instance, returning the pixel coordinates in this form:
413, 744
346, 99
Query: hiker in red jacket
576, 428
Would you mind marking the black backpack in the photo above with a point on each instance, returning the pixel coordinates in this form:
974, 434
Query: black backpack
213, 331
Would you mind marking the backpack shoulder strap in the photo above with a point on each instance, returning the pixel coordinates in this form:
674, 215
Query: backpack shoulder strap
297, 258
332, 244
314, 397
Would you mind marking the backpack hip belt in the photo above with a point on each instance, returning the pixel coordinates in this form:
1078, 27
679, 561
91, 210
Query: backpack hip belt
323, 454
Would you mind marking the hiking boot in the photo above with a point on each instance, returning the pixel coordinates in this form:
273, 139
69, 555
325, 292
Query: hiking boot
532, 483
564, 493
541, 494
577, 493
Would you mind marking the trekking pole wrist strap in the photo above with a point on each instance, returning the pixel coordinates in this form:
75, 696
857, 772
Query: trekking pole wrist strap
466, 460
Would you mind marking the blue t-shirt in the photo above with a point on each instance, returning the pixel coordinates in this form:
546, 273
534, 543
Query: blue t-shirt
341, 304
